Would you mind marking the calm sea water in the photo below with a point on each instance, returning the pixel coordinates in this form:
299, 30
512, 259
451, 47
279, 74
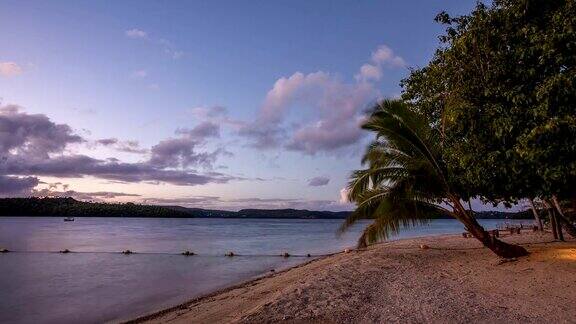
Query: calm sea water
99, 285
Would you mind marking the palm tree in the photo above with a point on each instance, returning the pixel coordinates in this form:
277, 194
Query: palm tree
406, 180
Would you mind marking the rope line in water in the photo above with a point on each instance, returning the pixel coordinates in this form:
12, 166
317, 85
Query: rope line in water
232, 254
66, 251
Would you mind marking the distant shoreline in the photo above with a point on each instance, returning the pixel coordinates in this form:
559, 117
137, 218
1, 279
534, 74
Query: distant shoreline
231, 217
69, 207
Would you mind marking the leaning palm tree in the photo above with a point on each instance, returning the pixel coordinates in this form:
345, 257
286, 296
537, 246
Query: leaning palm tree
406, 182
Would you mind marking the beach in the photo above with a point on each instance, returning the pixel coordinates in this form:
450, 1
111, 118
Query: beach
450, 279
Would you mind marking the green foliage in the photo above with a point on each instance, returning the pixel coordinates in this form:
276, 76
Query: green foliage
405, 178
502, 93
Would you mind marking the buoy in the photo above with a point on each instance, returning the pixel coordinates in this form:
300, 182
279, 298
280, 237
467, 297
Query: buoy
127, 252
230, 254
286, 254
65, 251
4, 250
346, 250
424, 247
187, 253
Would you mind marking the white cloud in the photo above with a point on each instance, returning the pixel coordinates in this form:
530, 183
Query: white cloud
369, 72
385, 55
329, 123
382, 57
10, 69
136, 33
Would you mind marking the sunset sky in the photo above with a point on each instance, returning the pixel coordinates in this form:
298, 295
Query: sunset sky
216, 104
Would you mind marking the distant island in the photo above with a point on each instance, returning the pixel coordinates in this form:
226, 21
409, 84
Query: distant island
70, 207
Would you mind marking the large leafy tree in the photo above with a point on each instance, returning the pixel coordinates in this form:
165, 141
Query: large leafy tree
406, 180
502, 93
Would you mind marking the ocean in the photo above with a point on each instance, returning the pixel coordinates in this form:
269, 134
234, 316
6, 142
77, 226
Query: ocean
95, 283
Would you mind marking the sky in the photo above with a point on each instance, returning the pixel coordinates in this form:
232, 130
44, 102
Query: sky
214, 104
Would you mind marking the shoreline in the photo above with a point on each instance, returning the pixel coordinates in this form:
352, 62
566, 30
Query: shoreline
159, 313
269, 296
243, 284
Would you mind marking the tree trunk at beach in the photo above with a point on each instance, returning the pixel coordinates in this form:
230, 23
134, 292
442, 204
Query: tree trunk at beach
536, 216
500, 248
553, 223
558, 226
563, 220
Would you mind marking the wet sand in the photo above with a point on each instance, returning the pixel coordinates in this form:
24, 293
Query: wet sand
455, 280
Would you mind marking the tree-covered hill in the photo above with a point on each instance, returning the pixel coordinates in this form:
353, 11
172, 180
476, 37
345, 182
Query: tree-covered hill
63, 207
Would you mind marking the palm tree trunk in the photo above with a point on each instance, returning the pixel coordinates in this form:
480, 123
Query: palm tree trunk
563, 220
536, 216
500, 248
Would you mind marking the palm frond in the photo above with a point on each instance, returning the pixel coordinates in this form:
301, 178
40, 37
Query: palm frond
404, 181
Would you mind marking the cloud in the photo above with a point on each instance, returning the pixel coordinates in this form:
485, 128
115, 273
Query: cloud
332, 105
179, 152
212, 202
17, 186
182, 151
217, 115
107, 141
205, 113
92, 196
369, 72
78, 166
204, 200
201, 131
122, 146
318, 181
32, 145
381, 58
33, 135
136, 33
10, 69
385, 55
317, 112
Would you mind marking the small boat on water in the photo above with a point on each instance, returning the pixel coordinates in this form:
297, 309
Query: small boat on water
69, 219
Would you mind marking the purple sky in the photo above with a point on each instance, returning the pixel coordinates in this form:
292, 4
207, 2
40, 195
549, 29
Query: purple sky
216, 104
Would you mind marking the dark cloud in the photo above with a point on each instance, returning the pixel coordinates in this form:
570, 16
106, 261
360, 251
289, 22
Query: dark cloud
201, 131
17, 186
122, 146
77, 166
33, 145
107, 141
180, 152
318, 181
32, 134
